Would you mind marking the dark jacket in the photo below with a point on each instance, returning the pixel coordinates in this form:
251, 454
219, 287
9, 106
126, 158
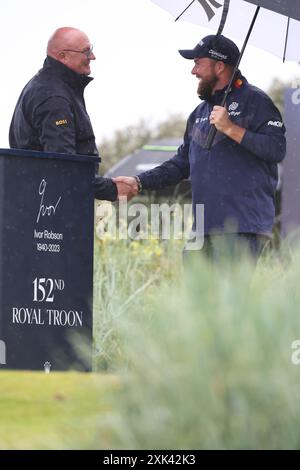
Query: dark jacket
51, 116
235, 182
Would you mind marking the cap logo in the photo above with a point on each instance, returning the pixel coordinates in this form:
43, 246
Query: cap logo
217, 55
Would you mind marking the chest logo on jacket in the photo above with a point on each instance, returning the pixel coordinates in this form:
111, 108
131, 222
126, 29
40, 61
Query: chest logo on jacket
203, 119
232, 109
61, 122
234, 105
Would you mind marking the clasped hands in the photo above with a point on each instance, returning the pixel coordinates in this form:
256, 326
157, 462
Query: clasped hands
127, 187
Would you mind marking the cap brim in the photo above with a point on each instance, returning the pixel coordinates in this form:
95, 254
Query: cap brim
187, 53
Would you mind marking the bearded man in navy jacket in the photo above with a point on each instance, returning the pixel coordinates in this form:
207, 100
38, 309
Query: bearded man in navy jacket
236, 179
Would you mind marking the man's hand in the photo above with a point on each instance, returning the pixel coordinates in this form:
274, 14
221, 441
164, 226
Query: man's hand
220, 118
127, 187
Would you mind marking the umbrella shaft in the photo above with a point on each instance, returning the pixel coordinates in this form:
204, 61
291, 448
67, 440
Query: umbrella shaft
246, 39
179, 16
213, 130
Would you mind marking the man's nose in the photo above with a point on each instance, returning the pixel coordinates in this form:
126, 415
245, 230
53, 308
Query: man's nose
92, 56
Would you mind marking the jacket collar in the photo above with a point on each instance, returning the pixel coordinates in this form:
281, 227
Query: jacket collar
74, 79
217, 97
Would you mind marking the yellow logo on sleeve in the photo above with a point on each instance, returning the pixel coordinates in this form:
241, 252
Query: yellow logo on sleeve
61, 122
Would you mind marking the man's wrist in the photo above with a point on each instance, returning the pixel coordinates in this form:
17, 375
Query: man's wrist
235, 133
139, 184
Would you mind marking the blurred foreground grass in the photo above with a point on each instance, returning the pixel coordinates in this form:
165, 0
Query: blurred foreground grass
201, 359
205, 356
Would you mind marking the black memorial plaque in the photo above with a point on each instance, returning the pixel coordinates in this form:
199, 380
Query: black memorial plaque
46, 260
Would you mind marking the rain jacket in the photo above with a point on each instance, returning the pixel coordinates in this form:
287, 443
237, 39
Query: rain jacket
235, 182
51, 116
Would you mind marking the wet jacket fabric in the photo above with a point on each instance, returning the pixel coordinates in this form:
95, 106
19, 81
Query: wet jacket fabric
235, 182
51, 116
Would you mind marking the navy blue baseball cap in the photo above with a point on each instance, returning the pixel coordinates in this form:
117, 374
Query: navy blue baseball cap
214, 47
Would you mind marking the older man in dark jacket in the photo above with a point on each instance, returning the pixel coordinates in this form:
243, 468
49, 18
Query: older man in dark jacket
50, 114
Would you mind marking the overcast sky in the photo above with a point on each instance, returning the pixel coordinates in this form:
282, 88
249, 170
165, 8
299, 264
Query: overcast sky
138, 71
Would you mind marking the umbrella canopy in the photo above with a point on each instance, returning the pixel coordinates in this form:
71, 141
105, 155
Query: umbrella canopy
276, 30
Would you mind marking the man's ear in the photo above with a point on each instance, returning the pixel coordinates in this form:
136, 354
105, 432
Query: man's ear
220, 67
61, 57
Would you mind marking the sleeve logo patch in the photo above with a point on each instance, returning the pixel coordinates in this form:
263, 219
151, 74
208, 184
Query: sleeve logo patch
275, 123
61, 122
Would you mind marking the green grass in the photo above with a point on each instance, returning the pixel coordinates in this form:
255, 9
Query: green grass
56, 410
127, 276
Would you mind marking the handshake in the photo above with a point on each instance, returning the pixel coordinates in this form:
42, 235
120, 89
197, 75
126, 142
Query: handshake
127, 186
